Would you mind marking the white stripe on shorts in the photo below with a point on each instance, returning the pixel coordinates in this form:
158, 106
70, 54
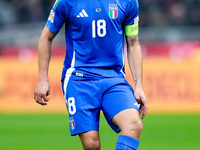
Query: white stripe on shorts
68, 74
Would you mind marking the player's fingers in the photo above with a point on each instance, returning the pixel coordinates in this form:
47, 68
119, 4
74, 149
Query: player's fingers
141, 109
39, 99
144, 109
48, 93
41, 103
45, 98
144, 114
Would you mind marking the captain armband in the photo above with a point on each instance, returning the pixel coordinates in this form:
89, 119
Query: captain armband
132, 29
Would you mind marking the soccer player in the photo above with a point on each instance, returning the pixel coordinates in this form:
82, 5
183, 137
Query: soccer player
93, 71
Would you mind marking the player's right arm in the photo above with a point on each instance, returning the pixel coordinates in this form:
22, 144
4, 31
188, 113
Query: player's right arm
54, 24
44, 54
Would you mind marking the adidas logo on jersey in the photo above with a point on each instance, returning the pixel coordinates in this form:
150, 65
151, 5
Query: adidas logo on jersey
82, 14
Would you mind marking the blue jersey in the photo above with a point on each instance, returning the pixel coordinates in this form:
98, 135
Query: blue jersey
94, 31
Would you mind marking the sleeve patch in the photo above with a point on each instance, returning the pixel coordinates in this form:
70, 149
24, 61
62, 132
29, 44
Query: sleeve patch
51, 16
131, 30
136, 19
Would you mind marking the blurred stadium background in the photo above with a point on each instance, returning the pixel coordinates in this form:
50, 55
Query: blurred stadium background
170, 39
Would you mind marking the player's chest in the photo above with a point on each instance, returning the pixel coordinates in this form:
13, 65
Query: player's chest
89, 12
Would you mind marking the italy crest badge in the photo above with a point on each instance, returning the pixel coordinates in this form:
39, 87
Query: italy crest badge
71, 122
113, 11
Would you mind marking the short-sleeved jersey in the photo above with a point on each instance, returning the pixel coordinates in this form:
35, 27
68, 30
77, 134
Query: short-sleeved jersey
94, 31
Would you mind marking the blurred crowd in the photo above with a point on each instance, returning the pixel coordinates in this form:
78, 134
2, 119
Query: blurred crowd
24, 11
152, 12
169, 12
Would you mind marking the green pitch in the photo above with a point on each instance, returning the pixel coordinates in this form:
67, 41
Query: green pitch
51, 132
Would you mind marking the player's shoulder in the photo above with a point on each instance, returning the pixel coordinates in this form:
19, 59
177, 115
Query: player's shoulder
132, 2
61, 4
129, 4
64, 2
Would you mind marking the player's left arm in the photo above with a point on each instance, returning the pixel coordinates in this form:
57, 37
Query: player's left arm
134, 55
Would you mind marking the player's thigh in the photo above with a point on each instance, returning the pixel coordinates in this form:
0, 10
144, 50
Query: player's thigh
83, 104
129, 122
118, 98
127, 119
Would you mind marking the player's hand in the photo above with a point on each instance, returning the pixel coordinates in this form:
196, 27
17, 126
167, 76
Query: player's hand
142, 100
41, 92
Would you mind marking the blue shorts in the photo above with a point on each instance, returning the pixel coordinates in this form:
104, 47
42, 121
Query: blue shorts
86, 98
